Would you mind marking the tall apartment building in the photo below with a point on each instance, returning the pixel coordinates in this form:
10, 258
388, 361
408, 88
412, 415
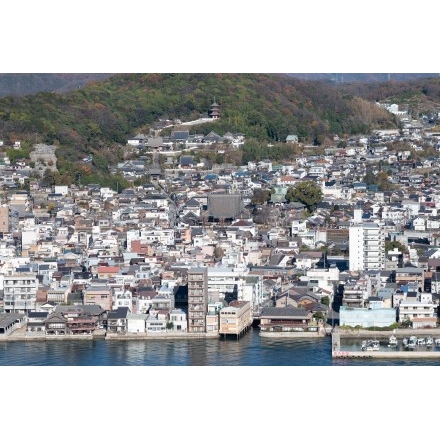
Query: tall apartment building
366, 247
197, 299
4, 220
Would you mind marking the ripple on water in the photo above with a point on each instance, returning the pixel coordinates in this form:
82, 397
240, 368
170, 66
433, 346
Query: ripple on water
249, 350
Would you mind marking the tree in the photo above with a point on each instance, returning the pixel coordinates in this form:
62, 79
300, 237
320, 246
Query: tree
391, 245
260, 196
319, 315
370, 178
307, 192
48, 177
325, 300
218, 252
51, 207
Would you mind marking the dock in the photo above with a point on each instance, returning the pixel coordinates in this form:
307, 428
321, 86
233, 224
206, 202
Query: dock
387, 354
338, 334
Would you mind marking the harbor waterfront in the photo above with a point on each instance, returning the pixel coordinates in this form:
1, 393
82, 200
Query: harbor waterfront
250, 350
348, 344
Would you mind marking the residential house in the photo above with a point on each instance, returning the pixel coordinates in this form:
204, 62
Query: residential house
36, 321
178, 320
99, 295
55, 324
421, 311
136, 323
117, 320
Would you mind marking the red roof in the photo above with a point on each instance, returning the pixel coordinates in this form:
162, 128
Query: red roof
108, 269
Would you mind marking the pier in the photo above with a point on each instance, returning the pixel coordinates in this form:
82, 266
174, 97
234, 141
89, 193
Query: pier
387, 354
338, 352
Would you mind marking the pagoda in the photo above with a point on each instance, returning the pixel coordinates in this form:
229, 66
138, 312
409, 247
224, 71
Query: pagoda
213, 112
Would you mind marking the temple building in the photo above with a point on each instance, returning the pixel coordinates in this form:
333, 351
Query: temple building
213, 112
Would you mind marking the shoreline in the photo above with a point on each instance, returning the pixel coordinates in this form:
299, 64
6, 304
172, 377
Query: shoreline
22, 336
342, 334
294, 335
402, 332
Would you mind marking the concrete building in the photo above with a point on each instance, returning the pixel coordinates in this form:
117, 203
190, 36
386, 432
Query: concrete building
372, 317
136, 323
4, 220
366, 247
20, 292
226, 283
179, 321
99, 295
355, 294
212, 318
197, 299
418, 310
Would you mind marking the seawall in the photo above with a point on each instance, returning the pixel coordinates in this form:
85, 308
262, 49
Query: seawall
158, 336
292, 335
400, 332
340, 334
387, 354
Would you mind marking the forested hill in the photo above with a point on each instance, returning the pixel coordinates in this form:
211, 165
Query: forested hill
262, 106
102, 116
418, 95
19, 84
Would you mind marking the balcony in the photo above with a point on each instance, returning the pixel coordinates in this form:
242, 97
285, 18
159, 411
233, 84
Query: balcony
197, 300
353, 298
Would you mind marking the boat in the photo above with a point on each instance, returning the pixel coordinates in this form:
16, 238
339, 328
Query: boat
437, 341
392, 342
429, 341
421, 341
370, 345
412, 342
376, 345
405, 342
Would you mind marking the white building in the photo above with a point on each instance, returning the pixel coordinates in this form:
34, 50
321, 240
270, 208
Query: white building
253, 291
413, 310
122, 299
226, 282
323, 278
366, 247
136, 323
179, 321
20, 292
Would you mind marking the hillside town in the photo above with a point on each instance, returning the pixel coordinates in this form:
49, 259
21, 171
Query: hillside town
192, 253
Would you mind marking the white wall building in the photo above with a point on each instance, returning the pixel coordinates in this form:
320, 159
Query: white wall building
136, 323
179, 320
423, 307
366, 247
20, 292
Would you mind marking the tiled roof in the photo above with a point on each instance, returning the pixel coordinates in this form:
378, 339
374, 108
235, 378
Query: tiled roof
283, 311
